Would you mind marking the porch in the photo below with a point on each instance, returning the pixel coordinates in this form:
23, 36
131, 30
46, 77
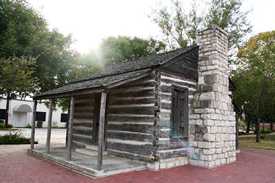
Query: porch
90, 147
86, 164
83, 150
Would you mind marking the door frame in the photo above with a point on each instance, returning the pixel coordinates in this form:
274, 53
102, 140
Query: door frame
186, 108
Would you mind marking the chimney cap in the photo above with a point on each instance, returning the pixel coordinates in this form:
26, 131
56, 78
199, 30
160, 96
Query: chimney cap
214, 27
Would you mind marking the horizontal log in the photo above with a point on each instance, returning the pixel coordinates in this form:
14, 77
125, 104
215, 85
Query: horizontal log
128, 135
82, 130
131, 100
83, 116
129, 117
133, 156
134, 147
164, 105
132, 89
144, 83
166, 97
82, 138
77, 144
179, 82
85, 123
76, 121
84, 108
176, 78
136, 110
134, 127
132, 106
84, 105
138, 93
166, 89
84, 112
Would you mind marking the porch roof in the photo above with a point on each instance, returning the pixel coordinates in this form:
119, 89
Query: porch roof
117, 73
94, 85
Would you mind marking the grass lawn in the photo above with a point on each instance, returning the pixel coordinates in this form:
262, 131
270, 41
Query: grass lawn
249, 141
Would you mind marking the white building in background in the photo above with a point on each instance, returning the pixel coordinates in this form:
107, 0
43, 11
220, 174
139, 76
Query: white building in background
20, 113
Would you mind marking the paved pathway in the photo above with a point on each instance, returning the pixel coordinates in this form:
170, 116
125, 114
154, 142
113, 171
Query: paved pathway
253, 166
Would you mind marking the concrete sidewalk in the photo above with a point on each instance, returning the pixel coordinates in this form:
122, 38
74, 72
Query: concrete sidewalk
253, 166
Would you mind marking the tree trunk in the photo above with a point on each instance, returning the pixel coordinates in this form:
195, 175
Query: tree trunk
271, 126
237, 132
258, 130
261, 94
248, 126
7, 110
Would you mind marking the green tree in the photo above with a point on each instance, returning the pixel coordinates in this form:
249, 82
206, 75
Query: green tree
228, 15
255, 78
85, 65
180, 26
24, 32
115, 49
16, 78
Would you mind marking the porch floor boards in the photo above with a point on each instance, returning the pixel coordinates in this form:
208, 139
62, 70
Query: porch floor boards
86, 164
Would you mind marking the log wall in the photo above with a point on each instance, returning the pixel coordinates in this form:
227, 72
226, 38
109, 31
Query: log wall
165, 143
130, 119
83, 120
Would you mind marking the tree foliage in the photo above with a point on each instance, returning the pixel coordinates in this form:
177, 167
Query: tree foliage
24, 33
115, 49
16, 75
180, 26
229, 16
255, 77
16, 78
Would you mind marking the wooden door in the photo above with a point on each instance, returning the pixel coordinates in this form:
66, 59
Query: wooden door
179, 118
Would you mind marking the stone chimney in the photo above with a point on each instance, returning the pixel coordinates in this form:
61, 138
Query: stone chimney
212, 120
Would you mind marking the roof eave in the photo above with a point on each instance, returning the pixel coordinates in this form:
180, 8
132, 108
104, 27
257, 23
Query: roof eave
87, 91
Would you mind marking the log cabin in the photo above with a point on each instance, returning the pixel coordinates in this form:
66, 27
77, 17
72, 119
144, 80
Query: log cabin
167, 109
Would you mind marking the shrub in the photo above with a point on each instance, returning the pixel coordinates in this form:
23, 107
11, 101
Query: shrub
265, 131
2, 126
14, 138
28, 126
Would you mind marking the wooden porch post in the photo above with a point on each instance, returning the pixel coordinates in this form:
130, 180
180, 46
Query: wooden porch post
48, 143
69, 144
67, 125
33, 123
101, 129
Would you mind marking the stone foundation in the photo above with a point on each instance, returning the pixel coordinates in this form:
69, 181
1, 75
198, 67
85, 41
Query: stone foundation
168, 163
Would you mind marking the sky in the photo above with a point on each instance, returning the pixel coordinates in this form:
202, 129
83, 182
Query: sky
90, 21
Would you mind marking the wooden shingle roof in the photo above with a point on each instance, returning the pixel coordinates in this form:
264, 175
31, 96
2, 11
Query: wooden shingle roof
116, 73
